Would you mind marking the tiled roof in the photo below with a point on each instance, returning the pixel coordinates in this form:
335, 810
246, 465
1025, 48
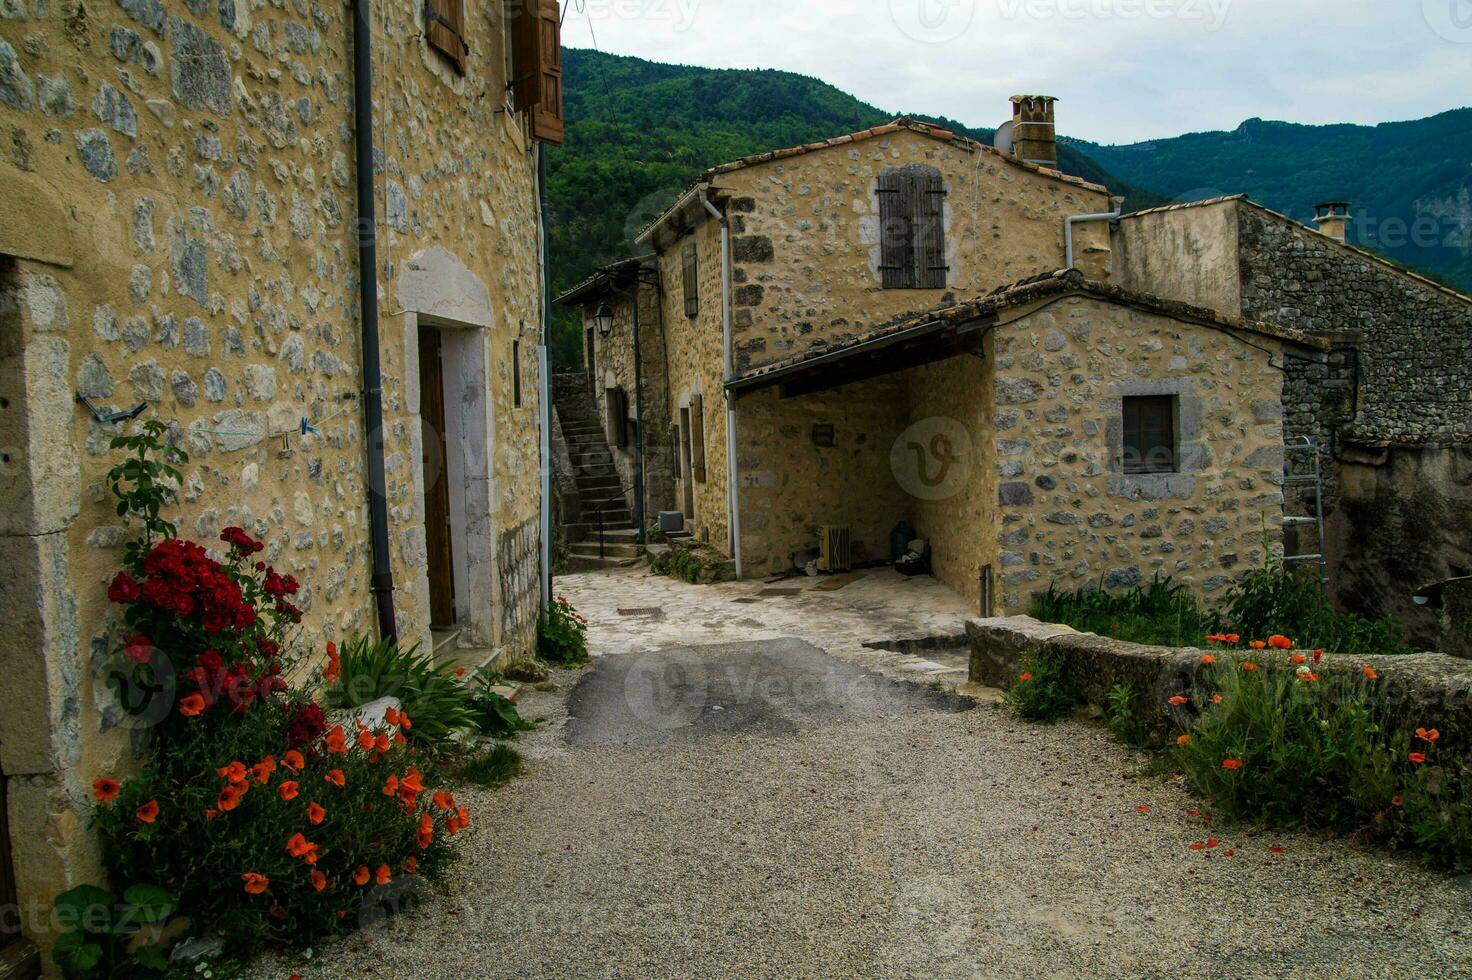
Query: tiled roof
903, 123
1334, 242
598, 281
1023, 293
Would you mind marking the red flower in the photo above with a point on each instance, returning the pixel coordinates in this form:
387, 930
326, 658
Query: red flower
1248, 665
105, 790
288, 789
1183, 739
1233, 638
1178, 699
254, 883
298, 846
1428, 734
335, 777
264, 769
1318, 655
318, 879
1280, 642
235, 772
315, 812
138, 649
391, 785
411, 865
148, 812
192, 705
426, 830
293, 761
1371, 674
384, 876
1231, 763
1207, 658
230, 796
337, 740
1025, 676
123, 589
444, 800
1143, 808
1256, 644
1417, 757
366, 741
360, 877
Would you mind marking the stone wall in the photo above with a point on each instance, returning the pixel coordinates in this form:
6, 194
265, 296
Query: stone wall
1068, 515
805, 247
188, 184
1424, 690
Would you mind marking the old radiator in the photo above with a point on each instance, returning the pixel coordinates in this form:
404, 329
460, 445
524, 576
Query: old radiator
835, 553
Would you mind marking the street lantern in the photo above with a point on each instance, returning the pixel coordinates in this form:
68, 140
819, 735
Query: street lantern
604, 320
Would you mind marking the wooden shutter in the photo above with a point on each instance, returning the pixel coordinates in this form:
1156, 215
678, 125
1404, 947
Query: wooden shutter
444, 27
691, 277
617, 413
697, 438
536, 66
896, 230
930, 238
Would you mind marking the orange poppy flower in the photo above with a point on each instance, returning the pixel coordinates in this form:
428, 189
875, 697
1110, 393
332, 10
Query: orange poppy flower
1318, 655
1213, 638
391, 785
288, 789
211, 813
1233, 638
404, 720
459, 671
335, 777
1396, 800
452, 824
384, 876
399, 738
366, 741
105, 790
254, 883
192, 706
264, 769
293, 760
337, 740
1216, 699
426, 831
298, 846
1277, 849
1207, 658
1196, 846
1280, 642
1231, 763
1256, 644
1308, 677
1298, 658
315, 812
1248, 665
391, 715
361, 876
148, 812
1428, 734
1371, 673
229, 797
1183, 740
1179, 699
1025, 676
318, 879
235, 772
464, 816
411, 865
1143, 808
1417, 757
444, 800
412, 782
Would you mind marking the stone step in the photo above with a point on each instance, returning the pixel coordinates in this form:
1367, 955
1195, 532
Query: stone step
609, 549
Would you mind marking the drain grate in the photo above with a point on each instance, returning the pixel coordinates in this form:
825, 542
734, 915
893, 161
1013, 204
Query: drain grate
645, 611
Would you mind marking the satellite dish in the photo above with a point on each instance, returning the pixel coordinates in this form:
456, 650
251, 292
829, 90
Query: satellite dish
1003, 138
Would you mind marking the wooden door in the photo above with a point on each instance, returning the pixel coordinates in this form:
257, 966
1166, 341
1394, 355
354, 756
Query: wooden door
687, 481
8, 899
590, 362
436, 480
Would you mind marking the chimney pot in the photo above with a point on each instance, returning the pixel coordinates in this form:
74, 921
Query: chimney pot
1033, 135
1333, 219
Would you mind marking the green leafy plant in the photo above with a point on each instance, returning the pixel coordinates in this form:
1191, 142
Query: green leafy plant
1274, 599
494, 714
1040, 693
104, 937
562, 634
437, 703
1289, 747
1163, 613
495, 767
1120, 708
145, 482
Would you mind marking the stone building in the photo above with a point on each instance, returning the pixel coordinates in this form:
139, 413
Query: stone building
1390, 404
874, 329
182, 238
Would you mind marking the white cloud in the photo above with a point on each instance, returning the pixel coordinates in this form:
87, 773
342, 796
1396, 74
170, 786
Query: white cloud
1125, 70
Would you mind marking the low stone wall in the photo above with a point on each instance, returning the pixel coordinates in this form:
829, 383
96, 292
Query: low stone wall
1429, 689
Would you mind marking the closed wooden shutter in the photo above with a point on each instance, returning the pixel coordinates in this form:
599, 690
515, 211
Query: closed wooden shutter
444, 27
617, 415
691, 278
930, 209
536, 66
896, 230
697, 438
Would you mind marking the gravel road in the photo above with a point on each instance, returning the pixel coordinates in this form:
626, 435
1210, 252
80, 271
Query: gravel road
919, 841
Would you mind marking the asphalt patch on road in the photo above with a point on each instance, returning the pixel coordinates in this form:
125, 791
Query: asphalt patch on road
766, 687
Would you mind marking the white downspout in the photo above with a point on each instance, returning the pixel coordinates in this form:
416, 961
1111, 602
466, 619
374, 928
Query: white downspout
1079, 219
733, 495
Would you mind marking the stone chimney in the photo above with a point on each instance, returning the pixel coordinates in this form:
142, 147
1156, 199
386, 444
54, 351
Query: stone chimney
1333, 219
1033, 138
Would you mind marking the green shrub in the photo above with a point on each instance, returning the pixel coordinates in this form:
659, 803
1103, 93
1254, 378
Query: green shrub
492, 768
1040, 692
1124, 719
436, 702
100, 934
1161, 614
494, 714
1276, 599
562, 634
1289, 748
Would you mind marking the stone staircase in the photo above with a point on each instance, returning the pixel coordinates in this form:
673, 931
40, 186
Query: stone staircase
593, 543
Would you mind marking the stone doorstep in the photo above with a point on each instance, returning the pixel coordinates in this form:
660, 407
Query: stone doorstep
1427, 689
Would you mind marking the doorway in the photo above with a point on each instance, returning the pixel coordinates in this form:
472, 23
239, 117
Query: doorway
590, 360
438, 547
687, 472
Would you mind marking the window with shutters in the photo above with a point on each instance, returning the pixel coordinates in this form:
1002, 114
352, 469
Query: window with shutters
536, 65
697, 438
912, 236
444, 28
690, 276
1149, 434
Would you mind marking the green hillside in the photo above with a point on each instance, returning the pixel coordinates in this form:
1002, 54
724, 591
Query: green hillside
639, 132
1410, 182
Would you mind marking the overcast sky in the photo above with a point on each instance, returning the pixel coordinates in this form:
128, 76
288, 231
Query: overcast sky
1124, 70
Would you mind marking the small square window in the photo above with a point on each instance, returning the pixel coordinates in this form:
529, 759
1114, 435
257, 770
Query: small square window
1150, 434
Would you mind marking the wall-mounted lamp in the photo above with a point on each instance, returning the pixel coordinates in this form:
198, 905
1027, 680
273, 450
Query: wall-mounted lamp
603, 319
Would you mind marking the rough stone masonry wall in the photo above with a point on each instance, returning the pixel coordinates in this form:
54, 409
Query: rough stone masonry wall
1393, 404
805, 246
1068, 515
184, 174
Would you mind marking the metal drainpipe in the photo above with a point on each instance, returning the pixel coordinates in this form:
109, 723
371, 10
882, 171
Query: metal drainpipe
733, 492
1079, 219
544, 369
383, 576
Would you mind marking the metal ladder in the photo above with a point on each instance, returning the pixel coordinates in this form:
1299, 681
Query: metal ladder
1294, 451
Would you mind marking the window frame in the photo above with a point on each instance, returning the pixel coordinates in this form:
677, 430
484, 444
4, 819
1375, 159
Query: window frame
1162, 429
912, 234
446, 35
